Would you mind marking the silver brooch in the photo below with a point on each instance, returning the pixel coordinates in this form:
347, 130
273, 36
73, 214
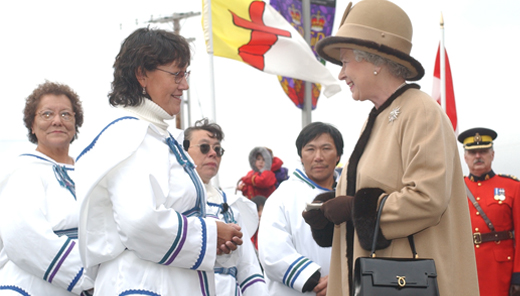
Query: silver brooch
394, 113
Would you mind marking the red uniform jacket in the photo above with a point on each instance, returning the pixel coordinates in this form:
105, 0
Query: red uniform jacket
498, 263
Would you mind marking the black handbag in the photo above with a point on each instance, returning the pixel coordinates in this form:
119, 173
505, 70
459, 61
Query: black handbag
394, 276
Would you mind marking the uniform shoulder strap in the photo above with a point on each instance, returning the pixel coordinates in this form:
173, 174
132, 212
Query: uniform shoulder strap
509, 177
479, 209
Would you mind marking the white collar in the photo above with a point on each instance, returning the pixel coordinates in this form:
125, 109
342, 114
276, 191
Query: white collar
152, 113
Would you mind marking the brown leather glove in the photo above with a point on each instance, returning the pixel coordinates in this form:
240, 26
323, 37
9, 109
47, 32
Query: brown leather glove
514, 290
315, 218
338, 209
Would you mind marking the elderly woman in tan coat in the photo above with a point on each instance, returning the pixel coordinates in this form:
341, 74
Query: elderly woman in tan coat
407, 150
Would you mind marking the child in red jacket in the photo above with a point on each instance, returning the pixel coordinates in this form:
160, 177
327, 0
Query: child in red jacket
262, 179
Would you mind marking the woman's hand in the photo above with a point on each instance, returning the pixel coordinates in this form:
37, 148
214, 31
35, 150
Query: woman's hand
229, 237
338, 209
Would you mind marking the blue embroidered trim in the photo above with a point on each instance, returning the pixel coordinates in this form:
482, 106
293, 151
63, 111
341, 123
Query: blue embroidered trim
63, 178
60, 172
203, 279
300, 175
299, 271
87, 149
203, 247
232, 271
48, 276
138, 292
75, 280
199, 210
294, 270
72, 233
178, 236
255, 278
16, 289
228, 216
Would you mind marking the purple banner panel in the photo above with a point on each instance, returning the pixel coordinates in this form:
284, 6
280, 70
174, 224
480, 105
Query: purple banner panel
322, 20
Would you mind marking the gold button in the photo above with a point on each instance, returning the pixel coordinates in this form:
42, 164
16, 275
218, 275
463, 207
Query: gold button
477, 246
476, 229
479, 183
509, 258
500, 202
477, 213
478, 198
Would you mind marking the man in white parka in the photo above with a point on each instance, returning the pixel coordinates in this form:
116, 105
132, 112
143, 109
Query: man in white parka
293, 262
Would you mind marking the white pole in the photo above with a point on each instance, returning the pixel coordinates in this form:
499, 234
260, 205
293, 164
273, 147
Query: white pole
443, 67
307, 99
215, 180
211, 68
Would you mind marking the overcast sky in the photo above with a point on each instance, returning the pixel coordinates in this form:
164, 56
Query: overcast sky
76, 42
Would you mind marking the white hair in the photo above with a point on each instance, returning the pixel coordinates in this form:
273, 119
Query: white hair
395, 69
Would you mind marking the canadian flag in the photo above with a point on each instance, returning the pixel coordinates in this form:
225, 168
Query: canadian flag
451, 109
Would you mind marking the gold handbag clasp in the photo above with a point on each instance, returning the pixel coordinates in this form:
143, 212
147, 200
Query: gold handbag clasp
401, 280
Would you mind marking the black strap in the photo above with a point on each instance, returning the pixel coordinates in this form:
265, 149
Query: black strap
479, 209
376, 232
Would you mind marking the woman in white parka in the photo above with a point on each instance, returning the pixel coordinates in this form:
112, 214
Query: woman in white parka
38, 207
142, 221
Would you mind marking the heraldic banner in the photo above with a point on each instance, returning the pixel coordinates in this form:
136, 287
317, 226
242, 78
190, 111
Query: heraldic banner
322, 21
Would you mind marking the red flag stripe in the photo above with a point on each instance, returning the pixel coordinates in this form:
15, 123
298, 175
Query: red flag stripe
451, 109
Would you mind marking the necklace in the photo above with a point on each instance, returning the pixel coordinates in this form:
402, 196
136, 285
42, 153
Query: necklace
399, 87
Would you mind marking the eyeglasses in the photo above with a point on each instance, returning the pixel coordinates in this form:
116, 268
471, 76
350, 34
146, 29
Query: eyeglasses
178, 75
204, 149
49, 115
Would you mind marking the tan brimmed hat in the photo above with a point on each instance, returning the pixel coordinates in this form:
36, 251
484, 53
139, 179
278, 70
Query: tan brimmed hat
375, 26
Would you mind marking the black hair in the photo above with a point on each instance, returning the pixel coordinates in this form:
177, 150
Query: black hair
316, 129
144, 50
214, 129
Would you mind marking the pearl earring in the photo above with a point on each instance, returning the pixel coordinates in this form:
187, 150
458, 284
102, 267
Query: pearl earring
144, 91
375, 73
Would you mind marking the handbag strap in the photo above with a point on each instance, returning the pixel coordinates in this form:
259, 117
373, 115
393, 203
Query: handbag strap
376, 232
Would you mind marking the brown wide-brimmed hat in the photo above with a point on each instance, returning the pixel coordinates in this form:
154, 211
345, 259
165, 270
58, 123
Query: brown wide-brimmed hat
375, 26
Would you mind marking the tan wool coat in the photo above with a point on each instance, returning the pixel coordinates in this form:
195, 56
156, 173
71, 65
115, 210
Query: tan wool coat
413, 157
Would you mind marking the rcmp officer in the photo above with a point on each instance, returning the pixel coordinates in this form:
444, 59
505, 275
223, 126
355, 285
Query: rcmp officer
494, 204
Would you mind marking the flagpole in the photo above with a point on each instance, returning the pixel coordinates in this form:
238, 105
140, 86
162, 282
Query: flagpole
307, 99
215, 180
442, 53
211, 106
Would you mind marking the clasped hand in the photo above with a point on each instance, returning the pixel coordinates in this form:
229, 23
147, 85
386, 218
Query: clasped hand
229, 237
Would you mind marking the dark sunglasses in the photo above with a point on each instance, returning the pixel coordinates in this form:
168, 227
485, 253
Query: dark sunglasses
204, 149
